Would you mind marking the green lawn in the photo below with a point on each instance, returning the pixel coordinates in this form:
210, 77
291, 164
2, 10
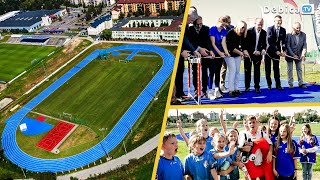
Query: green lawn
99, 95
133, 170
14, 59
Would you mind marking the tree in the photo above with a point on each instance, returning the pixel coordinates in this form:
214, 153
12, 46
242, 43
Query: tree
136, 14
162, 12
181, 9
121, 15
106, 34
140, 12
264, 119
147, 13
60, 19
129, 14
88, 16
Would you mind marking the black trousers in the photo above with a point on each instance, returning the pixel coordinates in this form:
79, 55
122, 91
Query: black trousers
256, 61
179, 78
286, 178
276, 70
205, 65
217, 63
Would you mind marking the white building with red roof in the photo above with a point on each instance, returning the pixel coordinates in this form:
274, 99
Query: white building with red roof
148, 28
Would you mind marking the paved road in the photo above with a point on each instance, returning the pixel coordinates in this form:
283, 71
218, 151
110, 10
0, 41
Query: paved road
115, 163
145, 42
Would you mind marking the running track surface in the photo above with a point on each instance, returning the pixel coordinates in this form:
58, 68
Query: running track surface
117, 134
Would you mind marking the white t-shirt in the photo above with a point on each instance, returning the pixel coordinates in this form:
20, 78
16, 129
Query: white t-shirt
246, 136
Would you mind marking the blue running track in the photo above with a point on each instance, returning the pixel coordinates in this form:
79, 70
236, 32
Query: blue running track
117, 134
132, 54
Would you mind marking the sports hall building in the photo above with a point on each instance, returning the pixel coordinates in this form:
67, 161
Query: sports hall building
29, 20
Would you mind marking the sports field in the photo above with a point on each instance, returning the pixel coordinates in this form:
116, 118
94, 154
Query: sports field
98, 95
14, 59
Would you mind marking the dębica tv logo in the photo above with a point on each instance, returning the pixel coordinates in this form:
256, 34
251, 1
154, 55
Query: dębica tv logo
305, 9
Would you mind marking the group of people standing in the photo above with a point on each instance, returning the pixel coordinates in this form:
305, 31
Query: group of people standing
221, 155
222, 47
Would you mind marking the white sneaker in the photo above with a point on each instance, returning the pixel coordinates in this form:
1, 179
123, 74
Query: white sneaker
224, 89
216, 94
210, 93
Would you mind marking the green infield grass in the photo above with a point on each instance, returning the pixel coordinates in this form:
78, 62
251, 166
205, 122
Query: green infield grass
14, 59
97, 96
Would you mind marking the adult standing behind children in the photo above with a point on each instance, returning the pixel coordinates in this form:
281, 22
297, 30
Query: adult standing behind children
297, 49
256, 39
276, 47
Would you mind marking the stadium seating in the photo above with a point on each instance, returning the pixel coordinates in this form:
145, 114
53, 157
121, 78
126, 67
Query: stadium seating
117, 134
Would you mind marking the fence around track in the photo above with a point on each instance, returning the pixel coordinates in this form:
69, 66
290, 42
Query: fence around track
117, 134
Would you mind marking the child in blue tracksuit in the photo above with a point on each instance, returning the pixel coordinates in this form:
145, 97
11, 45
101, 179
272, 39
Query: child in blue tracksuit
285, 155
199, 164
170, 166
224, 162
201, 128
232, 135
308, 147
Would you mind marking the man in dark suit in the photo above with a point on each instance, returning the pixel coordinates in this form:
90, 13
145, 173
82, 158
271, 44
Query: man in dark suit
276, 47
187, 48
199, 37
256, 43
297, 49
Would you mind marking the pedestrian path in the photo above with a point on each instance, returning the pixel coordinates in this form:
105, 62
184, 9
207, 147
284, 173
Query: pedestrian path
115, 163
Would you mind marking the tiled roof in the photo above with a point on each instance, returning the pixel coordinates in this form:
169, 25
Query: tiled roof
174, 26
139, 1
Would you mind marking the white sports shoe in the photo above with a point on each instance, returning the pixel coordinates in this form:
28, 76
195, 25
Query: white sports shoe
224, 89
216, 94
210, 93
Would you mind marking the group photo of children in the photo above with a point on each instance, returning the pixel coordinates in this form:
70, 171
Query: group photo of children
241, 143
247, 54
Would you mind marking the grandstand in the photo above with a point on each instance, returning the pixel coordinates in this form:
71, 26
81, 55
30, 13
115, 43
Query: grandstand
34, 38
37, 40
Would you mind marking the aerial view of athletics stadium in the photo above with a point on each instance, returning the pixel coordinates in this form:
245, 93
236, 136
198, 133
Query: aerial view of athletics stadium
104, 102
248, 11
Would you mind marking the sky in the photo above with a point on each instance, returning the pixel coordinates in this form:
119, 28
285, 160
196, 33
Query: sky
248, 10
286, 111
